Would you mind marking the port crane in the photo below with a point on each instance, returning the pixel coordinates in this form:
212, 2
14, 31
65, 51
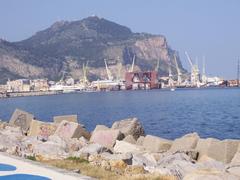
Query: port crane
194, 72
179, 77
204, 77
85, 71
133, 63
119, 69
157, 66
109, 74
170, 79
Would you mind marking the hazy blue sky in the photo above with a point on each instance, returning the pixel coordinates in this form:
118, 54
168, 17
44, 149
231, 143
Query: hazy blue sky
203, 27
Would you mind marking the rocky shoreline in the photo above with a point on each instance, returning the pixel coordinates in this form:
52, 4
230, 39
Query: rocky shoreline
122, 148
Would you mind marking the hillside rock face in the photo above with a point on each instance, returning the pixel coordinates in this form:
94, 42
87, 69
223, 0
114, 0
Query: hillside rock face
65, 46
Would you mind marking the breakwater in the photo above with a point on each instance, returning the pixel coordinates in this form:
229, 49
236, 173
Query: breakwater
31, 93
121, 147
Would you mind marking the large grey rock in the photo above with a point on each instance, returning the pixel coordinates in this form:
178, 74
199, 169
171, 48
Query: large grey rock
178, 164
234, 166
10, 139
22, 119
209, 175
75, 144
140, 140
51, 150
69, 118
143, 160
101, 127
236, 159
186, 142
206, 162
234, 170
219, 150
126, 157
130, 139
8, 143
125, 147
68, 130
106, 138
93, 149
156, 144
130, 126
42, 130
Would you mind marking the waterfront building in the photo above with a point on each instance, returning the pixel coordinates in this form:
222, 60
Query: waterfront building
39, 85
19, 85
141, 80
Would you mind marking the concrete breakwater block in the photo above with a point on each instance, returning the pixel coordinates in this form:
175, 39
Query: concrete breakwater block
125, 147
187, 142
106, 138
22, 119
131, 126
68, 129
156, 144
70, 118
42, 129
219, 150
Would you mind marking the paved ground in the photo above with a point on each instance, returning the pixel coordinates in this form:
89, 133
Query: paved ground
34, 168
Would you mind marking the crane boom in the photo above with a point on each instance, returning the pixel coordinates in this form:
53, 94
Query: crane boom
157, 67
85, 69
189, 59
108, 71
178, 70
133, 63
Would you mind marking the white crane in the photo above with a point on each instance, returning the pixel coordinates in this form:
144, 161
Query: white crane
85, 71
204, 77
133, 63
179, 79
189, 59
194, 72
170, 79
109, 74
157, 67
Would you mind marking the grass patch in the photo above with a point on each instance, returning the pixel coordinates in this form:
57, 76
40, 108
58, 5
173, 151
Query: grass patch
77, 160
32, 158
73, 163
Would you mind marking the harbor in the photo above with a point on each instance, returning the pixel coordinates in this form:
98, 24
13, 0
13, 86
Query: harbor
132, 79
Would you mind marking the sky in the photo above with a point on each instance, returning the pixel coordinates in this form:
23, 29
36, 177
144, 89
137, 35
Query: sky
209, 28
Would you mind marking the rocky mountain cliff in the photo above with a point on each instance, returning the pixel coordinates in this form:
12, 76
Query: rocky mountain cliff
66, 46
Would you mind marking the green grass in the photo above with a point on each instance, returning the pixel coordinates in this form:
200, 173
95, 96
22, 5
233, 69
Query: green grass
73, 163
32, 158
77, 160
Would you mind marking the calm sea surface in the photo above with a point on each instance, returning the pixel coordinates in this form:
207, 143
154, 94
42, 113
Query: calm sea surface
210, 112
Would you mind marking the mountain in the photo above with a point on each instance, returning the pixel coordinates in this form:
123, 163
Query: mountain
66, 46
